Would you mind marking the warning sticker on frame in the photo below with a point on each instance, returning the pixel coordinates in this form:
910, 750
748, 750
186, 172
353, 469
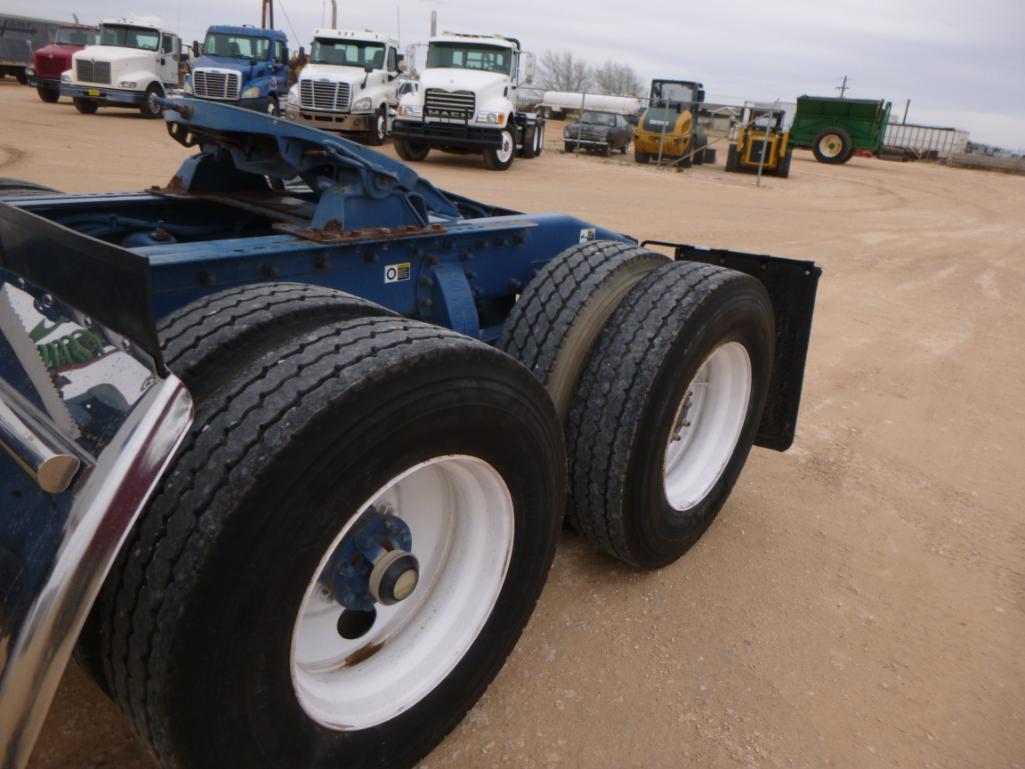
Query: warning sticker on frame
588, 233
396, 273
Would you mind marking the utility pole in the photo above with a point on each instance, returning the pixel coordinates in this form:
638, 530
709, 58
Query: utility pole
334, 14
267, 14
907, 106
434, 23
842, 88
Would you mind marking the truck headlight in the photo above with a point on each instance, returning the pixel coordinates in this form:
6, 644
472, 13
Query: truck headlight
293, 96
408, 110
129, 84
364, 104
495, 118
253, 92
66, 77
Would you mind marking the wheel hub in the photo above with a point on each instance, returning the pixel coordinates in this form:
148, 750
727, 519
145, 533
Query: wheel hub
373, 564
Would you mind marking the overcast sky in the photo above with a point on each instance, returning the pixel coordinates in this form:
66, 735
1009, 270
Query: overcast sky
961, 63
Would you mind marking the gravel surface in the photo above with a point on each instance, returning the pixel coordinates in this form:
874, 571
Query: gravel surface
860, 601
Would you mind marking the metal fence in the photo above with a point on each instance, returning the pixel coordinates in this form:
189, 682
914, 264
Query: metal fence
928, 141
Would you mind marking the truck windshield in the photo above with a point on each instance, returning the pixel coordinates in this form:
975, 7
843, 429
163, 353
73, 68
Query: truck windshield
462, 56
71, 36
347, 53
130, 37
598, 118
674, 93
236, 46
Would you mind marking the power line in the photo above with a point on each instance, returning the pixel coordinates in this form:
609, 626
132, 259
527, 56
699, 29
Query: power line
294, 33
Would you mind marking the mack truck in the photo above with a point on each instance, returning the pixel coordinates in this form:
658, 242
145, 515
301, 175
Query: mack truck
349, 84
287, 440
51, 61
131, 63
246, 66
466, 102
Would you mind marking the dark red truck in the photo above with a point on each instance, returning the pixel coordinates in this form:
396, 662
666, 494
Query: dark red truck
49, 62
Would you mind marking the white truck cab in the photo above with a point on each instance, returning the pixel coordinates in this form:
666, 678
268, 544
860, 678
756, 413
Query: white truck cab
466, 102
349, 84
130, 62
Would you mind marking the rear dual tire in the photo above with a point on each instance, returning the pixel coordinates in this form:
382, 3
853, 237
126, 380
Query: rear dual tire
621, 338
309, 417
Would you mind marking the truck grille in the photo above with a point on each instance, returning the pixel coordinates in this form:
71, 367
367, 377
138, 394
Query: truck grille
208, 84
324, 95
454, 105
93, 71
50, 66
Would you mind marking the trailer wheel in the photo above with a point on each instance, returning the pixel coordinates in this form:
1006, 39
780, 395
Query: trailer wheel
832, 145
16, 188
379, 130
667, 409
641, 157
149, 108
411, 151
379, 445
49, 95
554, 325
501, 157
86, 106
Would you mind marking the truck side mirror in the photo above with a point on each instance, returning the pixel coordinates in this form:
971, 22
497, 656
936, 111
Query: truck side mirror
195, 49
302, 55
528, 68
368, 68
403, 67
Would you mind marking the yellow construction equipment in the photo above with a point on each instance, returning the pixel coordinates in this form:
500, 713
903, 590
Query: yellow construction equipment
761, 141
668, 128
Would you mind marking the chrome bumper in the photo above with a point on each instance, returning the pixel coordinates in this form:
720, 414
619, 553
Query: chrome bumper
87, 427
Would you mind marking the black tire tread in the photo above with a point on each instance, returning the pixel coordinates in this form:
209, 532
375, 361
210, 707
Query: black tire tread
610, 396
263, 410
539, 323
211, 333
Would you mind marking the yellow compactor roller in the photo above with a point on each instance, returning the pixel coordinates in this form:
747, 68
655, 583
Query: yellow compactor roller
668, 128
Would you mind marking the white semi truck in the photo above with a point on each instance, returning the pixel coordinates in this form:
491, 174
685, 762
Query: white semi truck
349, 85
131, 62
466, 102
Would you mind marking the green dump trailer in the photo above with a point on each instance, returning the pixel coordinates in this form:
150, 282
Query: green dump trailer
833, 128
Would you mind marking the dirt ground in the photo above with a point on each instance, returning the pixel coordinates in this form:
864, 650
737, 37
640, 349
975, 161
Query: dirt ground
860, 601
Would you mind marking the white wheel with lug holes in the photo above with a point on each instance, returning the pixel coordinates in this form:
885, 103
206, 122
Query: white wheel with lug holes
460, 515
707, 426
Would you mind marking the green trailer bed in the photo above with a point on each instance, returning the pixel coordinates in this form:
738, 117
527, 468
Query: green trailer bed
834, 128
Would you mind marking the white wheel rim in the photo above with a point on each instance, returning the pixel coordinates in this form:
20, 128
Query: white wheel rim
707, 426
830, 145
540, 134
460, 514
380, 126
505, 152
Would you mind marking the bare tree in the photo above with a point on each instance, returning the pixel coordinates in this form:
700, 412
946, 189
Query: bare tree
562, 71
616, 79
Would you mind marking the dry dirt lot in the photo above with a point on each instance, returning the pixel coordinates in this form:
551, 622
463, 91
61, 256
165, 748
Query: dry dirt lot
860, 601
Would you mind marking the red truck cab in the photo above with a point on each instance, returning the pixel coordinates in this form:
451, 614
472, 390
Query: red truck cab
50, 62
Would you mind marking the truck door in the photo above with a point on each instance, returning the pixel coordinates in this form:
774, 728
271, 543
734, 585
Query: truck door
279, 68
391, 78
167, 61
